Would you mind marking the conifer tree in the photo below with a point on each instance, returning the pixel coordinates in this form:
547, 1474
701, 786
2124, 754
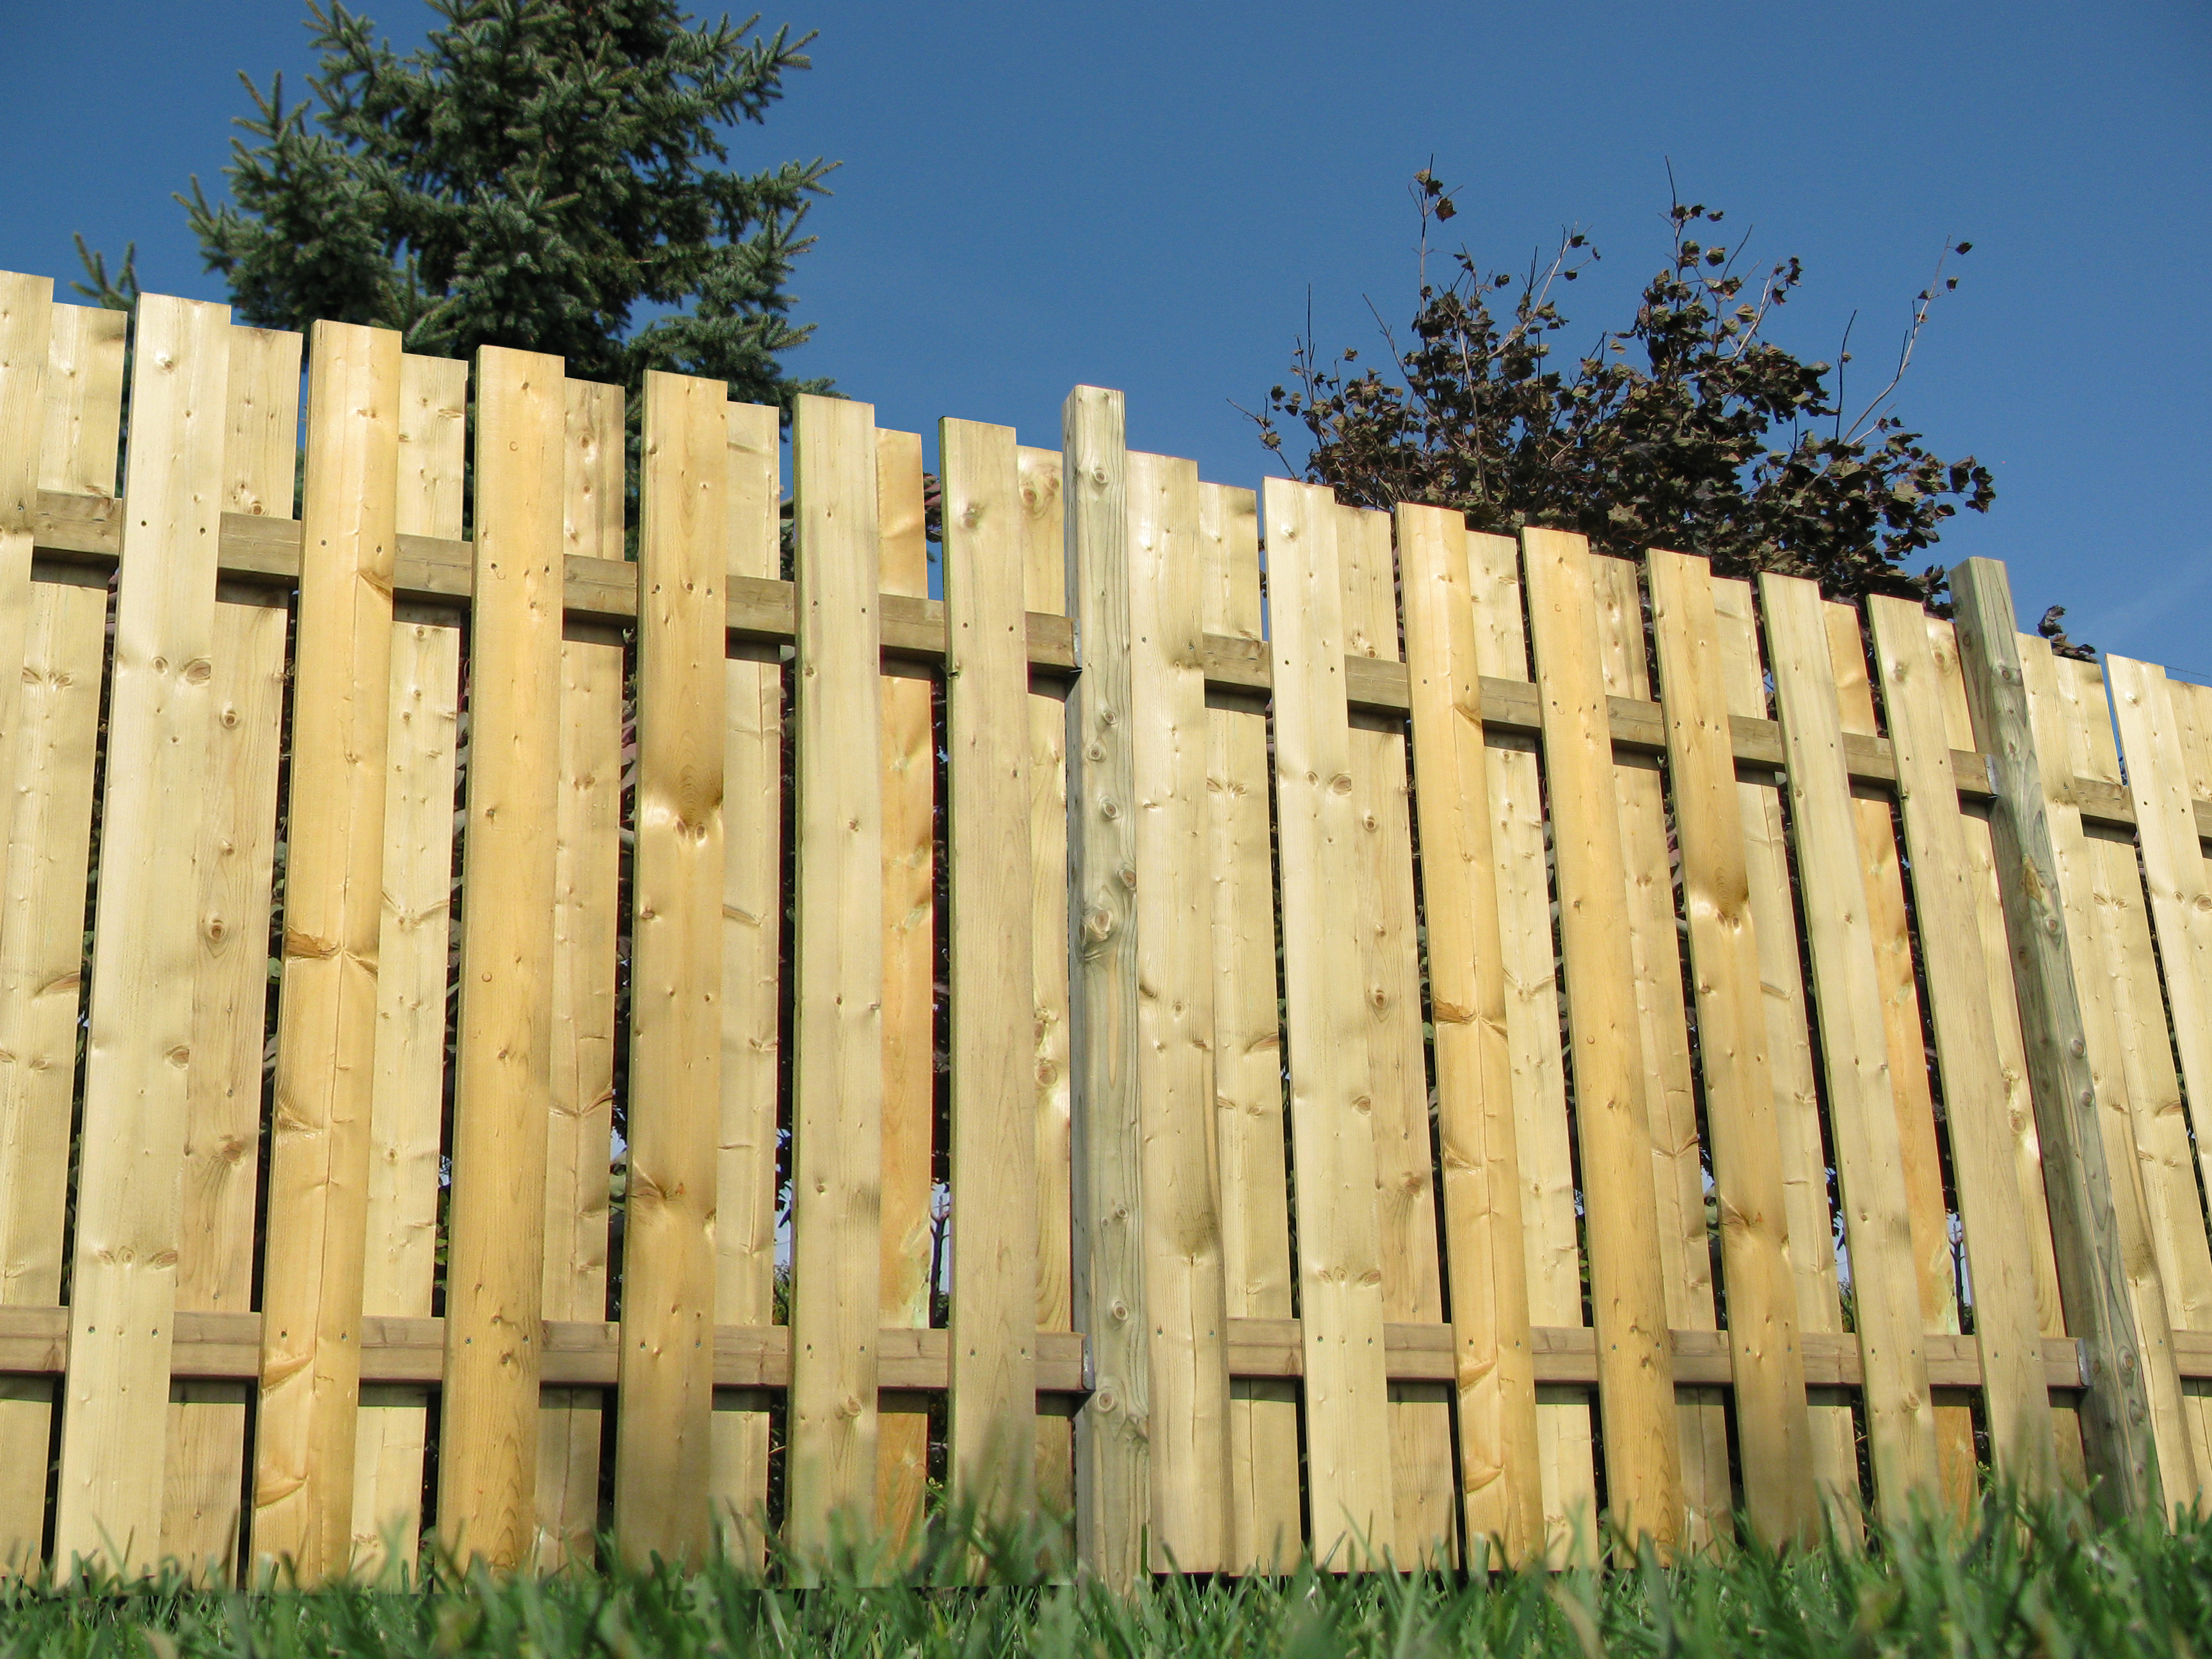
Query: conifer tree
546, 174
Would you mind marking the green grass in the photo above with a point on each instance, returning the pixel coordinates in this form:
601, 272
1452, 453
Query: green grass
2046, 1583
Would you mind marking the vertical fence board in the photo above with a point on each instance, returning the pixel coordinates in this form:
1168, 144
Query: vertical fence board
84, 401
1636, 1382
1185, 1296
1840, 936
909, 925
320, 1148
662, 1458
2095, 1209
1566, 1441
1044, 568
1487, 1269
1265, 1529
1811, 1221
123, 1291
992, 1410
414, 943
838, 1076
1772, 1424
1349, 1483
2016, 1399
1908, 1046
578, 1137
494, 1284
1669, 1092
752, 981
1423, 1529
26, 319
41, 958
1113, 1483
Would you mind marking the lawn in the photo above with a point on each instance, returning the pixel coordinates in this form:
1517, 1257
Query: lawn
2051, 1581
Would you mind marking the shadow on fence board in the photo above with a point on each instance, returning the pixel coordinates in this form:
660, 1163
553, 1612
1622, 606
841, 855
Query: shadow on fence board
509, 1038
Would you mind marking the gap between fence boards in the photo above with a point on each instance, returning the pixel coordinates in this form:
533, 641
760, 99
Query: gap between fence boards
86, 530
582, 1353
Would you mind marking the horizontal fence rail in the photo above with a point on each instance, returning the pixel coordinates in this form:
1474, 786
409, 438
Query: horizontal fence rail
1233, 1024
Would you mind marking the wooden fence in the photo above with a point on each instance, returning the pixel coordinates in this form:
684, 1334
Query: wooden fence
1469, 1037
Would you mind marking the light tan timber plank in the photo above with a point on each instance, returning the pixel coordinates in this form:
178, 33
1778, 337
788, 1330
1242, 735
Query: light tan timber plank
1909, 1052
161, 708
1044, 568
1567, 1470
1184, 1288
261, 449
2171, 876
2095, 1210
84, 401
991, 1414
2019, 1111
413, 952
2005, 1328
1635, 1384
1349, 1477
1795, 1095
579, 1136
1655, 937
1847, 989
2173, 872
752, 979
1424, 1530
1772, 1423
1494, 1366
319, 1151
502, 1098
909, 924
26, 310
1113, 1481
662, 1459
1265, 1526
205, 1478
838, 1072
42, 958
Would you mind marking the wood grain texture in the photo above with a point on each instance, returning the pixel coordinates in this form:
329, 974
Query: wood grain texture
320, 1148
49, 826
1863, 1113
1045, 589
1185, 1296
1567, 1470
753, 980
1795, 1096
991, 1451
1678, 1158
123, 1291
909, 924
662, 1460
1424, 1530
837, 1077
1984, 1171
1774, 1427
413, 941
1112, 1463
579, 1138
1636, 1385
2079, 1178
1349, 1478
1494, 1363
502, 1099
25, 348
84, 400
1265, 1523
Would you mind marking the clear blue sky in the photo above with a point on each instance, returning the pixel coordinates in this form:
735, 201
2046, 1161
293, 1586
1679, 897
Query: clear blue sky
1142, 196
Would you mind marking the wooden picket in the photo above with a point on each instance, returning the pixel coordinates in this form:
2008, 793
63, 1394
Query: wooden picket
1219, 1060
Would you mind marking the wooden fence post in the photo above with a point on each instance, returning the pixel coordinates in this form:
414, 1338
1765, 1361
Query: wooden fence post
2116, 1425
1113, 1456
